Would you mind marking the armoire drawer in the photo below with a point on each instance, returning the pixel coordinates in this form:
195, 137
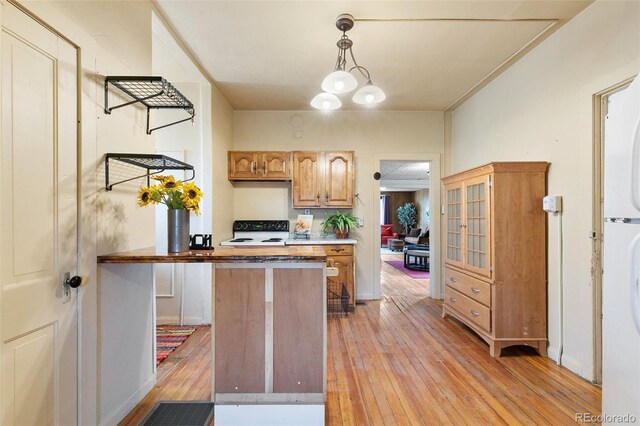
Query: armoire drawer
469, 286
474, 311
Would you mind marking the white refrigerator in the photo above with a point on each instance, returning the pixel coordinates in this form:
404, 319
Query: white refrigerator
621, 280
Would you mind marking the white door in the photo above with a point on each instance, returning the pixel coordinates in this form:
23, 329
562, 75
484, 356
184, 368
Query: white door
38, 224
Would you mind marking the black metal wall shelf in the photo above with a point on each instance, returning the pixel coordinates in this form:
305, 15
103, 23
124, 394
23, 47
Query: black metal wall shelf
153, 163
152, 92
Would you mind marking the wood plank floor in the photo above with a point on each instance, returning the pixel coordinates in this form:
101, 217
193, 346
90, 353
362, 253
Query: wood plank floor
397, 362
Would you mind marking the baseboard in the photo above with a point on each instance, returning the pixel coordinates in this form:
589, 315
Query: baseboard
569, 363
129, 404
174, 319
365, 296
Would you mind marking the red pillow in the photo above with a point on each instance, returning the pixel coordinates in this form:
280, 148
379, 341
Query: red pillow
387, 230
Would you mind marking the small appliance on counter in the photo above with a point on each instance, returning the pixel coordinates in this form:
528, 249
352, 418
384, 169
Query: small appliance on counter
258, 233
200, 242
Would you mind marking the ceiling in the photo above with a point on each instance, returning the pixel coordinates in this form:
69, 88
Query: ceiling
273, 55
404, 175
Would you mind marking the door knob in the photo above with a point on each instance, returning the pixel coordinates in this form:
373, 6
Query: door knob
74, 282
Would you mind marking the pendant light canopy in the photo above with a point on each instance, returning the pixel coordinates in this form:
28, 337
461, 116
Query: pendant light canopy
342, 81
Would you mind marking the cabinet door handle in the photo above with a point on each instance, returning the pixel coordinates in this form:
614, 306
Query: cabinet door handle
318, 197
452, 299
338, 250
453, 280
253, 167
326, 196
475, 290
474, 313
264, 167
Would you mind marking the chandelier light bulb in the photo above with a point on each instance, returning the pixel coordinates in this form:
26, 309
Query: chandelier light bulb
326, 101
369, 95
339, 82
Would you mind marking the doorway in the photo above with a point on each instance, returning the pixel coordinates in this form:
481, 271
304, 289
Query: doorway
601, 109
410, 182
404, 224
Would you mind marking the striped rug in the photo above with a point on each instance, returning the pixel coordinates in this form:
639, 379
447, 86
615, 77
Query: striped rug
169, 337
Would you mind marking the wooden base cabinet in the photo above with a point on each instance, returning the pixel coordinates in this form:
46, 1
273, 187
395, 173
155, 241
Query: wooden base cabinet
495, 253
341, 257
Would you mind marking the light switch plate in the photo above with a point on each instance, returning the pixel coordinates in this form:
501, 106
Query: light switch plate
360, 222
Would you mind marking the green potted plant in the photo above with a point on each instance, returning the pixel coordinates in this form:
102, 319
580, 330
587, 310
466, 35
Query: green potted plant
341, 223
407, 216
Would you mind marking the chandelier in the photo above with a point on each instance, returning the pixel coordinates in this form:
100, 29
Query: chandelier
341, 81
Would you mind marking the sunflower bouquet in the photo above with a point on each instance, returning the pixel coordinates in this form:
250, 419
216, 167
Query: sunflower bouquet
173, 193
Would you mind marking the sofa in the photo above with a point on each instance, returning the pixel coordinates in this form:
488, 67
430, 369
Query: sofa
418, 236
386, 233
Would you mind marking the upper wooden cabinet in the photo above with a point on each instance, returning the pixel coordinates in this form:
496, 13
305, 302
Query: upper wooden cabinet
258, 165
323, 179
495, 253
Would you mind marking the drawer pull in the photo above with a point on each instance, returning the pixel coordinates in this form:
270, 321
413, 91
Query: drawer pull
474, 313
453, 280
475, 290
452, 299
337, 250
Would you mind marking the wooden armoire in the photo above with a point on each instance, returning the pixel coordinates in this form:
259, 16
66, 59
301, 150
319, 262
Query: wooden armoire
495, 253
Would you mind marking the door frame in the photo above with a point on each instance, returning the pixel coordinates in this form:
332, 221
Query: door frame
600, 111
435, 166
79, 290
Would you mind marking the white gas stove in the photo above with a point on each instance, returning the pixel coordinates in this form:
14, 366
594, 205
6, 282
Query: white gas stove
258, 233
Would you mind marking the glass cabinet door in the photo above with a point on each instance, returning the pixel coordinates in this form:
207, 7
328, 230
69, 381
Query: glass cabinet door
476, 225
454, 251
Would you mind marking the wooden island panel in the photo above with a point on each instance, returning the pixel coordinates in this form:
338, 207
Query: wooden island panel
298, 306
240, 306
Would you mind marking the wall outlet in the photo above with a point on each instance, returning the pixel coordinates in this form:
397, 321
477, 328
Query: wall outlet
552, 203
306, 211
66, 289
360, 222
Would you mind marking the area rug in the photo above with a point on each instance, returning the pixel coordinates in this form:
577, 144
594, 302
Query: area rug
180, 413
169, 337
399, 265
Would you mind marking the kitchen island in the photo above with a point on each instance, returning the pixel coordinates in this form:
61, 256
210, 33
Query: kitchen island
269, 329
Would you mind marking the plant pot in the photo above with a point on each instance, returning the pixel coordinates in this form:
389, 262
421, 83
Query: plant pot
342, 235
177, 230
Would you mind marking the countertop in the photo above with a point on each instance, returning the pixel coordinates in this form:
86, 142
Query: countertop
222, 254
320, 239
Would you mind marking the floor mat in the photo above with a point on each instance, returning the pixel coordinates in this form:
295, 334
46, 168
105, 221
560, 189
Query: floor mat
399, 265
180, 413
168, 338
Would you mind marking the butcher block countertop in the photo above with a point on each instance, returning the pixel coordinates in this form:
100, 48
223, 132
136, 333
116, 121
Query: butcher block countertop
221, 254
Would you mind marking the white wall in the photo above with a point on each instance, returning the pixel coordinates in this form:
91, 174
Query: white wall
541, 109
189, 142
371, 134
422, 202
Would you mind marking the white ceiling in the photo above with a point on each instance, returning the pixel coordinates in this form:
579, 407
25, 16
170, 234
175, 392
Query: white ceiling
273, 55
404, 175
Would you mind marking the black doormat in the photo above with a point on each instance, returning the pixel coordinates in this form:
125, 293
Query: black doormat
180, 413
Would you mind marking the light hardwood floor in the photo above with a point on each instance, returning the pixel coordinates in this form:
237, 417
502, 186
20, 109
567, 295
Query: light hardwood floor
396, 361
